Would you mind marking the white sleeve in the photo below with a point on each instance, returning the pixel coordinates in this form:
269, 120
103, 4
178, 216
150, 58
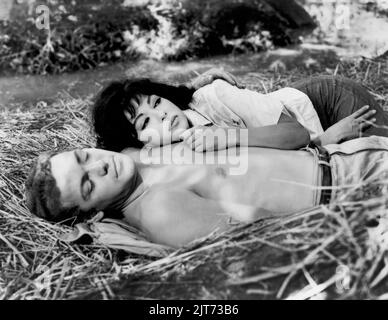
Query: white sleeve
299, 105
255, 109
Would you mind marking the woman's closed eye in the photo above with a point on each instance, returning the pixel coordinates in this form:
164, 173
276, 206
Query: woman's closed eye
145, 123
157, 102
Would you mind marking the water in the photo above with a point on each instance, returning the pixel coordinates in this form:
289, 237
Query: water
28, 89
350, 25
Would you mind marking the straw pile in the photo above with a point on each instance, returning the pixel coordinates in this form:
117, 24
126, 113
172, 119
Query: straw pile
339, 251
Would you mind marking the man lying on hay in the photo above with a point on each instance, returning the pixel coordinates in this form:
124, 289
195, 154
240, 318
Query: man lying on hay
174, 204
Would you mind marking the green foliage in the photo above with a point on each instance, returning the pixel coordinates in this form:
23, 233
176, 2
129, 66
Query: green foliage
79, 38
86, 34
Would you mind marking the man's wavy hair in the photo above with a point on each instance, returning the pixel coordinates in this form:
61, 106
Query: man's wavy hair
43, 195
114, 132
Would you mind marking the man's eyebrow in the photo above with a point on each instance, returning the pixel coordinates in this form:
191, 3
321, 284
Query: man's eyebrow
76, 155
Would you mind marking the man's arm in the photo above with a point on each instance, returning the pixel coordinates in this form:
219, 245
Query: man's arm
177, 217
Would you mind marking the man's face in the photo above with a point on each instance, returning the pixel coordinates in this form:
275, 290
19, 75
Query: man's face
157, 120
92, 178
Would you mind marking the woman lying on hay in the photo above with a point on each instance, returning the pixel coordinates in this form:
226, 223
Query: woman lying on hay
321, 109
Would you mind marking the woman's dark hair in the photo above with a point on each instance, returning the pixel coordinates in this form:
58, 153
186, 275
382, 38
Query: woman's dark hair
114, 132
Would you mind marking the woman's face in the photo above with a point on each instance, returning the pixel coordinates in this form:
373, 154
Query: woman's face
92, 178
157, 120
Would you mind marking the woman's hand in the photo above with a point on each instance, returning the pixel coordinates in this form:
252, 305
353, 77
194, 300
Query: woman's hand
201, 138
209, 76
349, 127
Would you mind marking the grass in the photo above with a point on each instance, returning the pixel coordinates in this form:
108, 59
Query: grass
327, 252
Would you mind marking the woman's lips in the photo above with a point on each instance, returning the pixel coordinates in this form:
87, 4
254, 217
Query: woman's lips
115, 166
174, 122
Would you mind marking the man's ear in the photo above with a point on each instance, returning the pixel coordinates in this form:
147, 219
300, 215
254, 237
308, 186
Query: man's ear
97, 217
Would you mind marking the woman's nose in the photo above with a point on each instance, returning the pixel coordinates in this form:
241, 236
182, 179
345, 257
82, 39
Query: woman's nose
99, 168
161, 114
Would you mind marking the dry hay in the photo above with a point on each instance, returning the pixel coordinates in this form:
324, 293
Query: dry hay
339, 251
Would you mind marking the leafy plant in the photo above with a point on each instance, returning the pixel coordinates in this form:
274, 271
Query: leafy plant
87, 34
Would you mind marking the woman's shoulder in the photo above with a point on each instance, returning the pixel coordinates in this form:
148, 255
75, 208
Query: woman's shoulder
217, 85
222, 86
288, 94
213, 92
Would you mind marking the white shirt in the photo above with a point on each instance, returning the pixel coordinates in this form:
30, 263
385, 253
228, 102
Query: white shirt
226, 105
196, 118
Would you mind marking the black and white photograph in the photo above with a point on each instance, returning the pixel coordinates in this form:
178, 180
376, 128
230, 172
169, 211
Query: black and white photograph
199, 151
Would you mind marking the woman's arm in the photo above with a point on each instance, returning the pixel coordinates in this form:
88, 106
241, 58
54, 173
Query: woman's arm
347, 128
287, 134
263, 115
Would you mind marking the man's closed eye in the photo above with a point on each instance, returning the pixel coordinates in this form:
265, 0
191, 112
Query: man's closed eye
81, 156
85, 156
88, 188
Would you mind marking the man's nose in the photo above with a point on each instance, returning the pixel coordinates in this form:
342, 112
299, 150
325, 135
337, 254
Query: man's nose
99, 168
